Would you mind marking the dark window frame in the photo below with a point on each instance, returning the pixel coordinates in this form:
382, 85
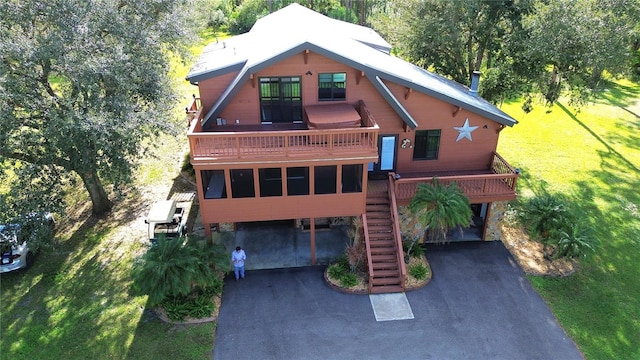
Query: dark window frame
333, 89
280, 99
427, 144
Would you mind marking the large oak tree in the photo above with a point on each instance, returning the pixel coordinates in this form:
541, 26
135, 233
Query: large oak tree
83, 83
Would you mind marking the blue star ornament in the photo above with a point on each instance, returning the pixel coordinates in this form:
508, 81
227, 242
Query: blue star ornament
465, 130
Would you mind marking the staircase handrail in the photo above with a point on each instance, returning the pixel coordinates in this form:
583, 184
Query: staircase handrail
365, 230
396, 229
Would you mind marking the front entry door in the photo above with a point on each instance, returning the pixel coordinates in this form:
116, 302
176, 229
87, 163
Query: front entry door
386, 155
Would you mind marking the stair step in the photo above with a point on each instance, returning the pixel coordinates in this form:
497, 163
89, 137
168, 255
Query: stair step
379, 228
387, 289
383, 251
379, 221
377, 208
382, 241
383, 258
378, 201
395, 280
384, 266
380, 236
385, 273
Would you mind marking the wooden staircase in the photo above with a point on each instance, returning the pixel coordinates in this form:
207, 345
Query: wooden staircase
384, 272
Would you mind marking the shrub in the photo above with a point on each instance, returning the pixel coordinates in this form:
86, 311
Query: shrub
415, 251
545, 215
174, 268
552, 220
577, 242
336, 271
419, 271
348, 279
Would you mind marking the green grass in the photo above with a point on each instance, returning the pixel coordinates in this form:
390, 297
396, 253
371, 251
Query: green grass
76, 302
594, 157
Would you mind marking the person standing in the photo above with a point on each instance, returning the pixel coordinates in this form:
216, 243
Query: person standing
237, 258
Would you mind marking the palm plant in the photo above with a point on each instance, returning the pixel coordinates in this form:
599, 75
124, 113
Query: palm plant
172, 268
440, 208
577, 241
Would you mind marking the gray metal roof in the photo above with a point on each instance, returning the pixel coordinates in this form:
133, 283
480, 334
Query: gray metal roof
295, 28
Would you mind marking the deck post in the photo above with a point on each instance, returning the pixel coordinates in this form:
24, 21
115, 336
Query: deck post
312, 231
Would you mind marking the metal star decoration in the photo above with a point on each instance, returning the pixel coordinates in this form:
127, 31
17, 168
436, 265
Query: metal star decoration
465, 130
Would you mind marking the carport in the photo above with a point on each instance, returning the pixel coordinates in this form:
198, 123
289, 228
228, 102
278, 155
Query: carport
279, 244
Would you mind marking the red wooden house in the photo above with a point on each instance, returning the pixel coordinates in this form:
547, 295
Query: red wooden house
303, 115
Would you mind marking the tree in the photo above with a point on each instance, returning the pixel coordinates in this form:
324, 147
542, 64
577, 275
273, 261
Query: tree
82, 84
573, 42
454, 38
440, 208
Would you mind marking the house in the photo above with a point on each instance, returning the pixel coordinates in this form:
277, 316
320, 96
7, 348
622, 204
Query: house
309, 118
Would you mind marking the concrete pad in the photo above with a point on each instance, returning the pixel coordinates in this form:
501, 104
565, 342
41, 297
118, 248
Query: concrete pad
388, 307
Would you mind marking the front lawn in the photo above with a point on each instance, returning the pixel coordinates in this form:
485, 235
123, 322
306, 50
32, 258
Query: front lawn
593, 156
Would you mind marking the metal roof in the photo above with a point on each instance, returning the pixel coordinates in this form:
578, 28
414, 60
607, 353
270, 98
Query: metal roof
295, 28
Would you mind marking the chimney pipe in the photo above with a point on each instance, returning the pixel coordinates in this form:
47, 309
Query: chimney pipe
475, 81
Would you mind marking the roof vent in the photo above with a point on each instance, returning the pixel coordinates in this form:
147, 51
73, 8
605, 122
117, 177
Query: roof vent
475, 81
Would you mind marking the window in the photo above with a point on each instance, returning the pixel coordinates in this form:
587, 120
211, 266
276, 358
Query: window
352, 178
298, 181
281, 99
242, 183
427, 144
325, 179
332, 86
270, 182
213, 184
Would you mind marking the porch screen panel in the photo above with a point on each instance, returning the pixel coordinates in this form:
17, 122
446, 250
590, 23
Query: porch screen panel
270, 182
325, 179
242, 183
298, 181
352, 178
213, 184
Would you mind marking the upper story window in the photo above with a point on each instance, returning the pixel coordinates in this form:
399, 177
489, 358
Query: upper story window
332, 86
427, 145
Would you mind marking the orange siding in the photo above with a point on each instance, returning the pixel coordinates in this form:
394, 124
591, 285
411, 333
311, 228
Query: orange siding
432, 114
288, 207
211, 89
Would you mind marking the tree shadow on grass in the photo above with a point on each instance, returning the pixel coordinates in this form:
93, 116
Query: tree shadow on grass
610, 149
601, 301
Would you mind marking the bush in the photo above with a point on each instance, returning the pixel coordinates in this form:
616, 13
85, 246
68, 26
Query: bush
419, 271
543, 216
180, 307
552, 220
173, 268
336, 271
348, 280
577, 242
417, 250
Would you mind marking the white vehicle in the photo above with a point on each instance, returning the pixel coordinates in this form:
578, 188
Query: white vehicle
166, 218
14, 250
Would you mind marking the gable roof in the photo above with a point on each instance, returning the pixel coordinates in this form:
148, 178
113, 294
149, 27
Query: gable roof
296, 28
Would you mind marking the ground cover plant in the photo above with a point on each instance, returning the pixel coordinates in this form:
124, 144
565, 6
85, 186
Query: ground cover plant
593, 157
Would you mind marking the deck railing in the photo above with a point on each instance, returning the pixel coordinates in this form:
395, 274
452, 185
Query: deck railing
284, 143
500, 182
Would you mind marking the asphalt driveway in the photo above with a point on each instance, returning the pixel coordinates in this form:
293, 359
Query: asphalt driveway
479, 305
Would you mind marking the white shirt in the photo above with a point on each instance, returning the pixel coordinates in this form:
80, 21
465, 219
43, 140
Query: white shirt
238, 258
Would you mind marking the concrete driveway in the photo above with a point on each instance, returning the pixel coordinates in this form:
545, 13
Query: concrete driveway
479, 305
